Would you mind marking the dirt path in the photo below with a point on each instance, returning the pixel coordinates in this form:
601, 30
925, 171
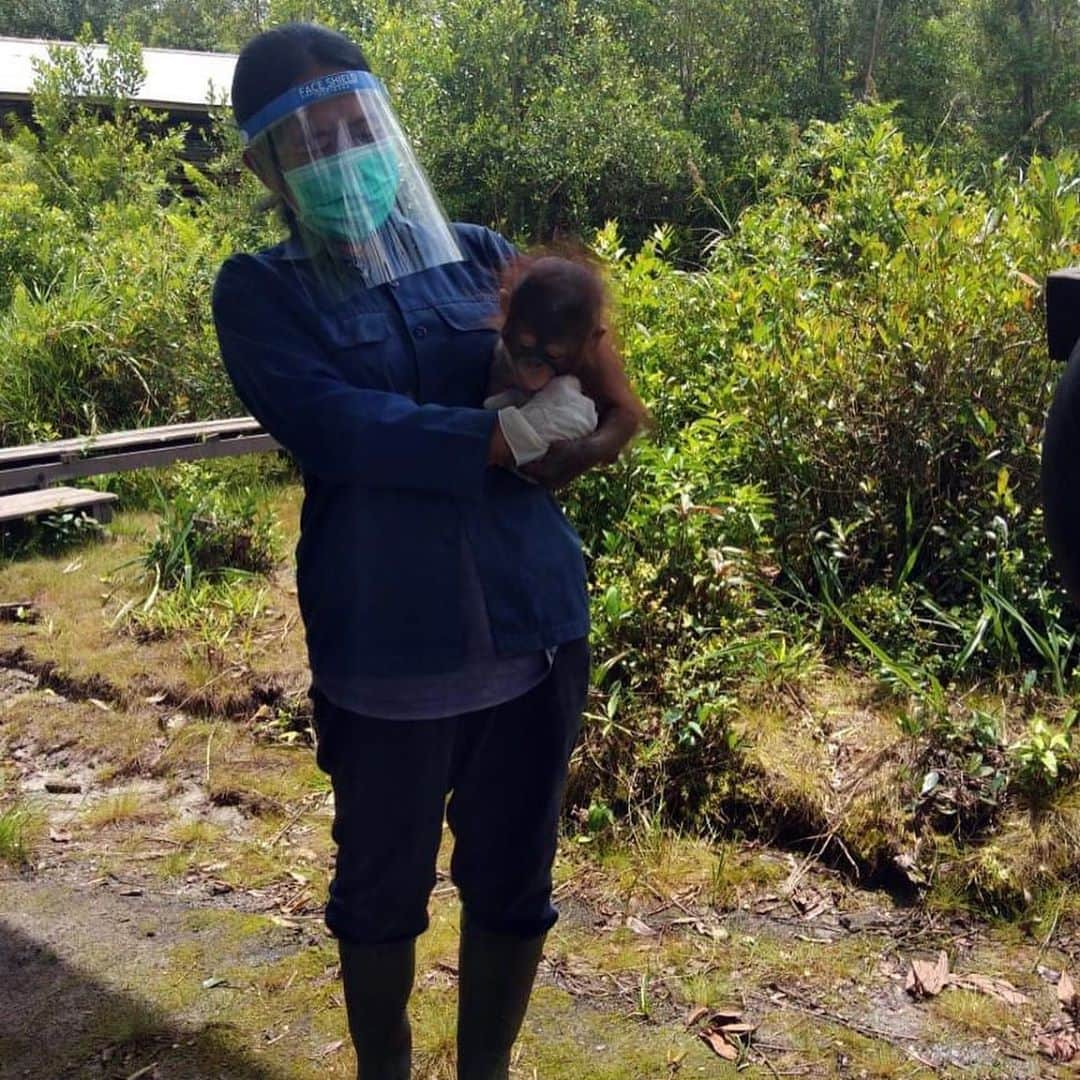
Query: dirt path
169, 925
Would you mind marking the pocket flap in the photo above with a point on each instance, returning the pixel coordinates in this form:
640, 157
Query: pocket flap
468, 314
359, 329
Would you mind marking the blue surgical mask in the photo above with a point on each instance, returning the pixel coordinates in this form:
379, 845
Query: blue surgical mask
349, 195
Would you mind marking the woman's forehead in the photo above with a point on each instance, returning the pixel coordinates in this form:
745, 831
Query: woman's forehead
332, 112
324, 116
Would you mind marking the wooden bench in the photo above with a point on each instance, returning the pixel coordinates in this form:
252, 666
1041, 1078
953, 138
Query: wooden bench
26, 471
29, 504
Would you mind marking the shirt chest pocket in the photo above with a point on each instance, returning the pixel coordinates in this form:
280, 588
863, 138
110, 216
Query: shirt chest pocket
455, 370
369, 355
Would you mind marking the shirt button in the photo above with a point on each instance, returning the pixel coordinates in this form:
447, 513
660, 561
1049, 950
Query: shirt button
420, 331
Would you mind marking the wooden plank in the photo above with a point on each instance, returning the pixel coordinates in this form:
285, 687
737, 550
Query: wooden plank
38, 475
31, 503
60, 449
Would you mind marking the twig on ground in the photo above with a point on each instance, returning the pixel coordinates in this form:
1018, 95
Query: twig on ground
293, 819
146, 1070
668, 901
798, 1003
209, 743
763, 1058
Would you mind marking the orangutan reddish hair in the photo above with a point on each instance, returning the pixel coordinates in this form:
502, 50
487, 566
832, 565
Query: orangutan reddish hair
554, 321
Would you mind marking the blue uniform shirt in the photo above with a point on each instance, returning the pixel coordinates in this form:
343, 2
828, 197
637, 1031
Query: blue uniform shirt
377, 393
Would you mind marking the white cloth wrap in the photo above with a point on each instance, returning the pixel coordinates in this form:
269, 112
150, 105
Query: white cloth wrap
558, 411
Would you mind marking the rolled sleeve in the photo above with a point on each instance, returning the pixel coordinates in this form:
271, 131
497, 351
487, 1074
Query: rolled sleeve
336, 430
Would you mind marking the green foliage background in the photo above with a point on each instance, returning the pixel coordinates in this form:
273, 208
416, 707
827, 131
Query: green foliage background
832, 306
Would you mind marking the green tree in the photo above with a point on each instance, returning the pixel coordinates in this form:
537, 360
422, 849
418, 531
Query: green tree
532, 117
1028, 55
60, 19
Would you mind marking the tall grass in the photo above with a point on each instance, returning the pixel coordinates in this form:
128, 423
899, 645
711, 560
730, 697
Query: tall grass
20, 827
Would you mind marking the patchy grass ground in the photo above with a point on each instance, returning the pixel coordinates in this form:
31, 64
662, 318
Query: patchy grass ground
164, 854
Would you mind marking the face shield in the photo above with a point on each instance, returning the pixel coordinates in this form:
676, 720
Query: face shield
354, 185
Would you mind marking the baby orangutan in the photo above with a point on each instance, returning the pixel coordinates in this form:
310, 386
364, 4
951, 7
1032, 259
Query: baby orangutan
553, 326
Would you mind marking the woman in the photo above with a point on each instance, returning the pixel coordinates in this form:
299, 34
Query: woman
443, 596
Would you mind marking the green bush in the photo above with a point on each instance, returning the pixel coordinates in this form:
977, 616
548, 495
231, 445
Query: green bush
864, 352
209, 530
1044, 756
106, 325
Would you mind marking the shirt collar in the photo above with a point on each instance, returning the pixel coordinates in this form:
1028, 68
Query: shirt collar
293, 250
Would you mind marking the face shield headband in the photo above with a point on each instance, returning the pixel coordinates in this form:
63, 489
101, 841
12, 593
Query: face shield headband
358, 195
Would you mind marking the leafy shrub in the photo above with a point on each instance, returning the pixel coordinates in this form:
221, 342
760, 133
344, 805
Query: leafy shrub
208, 530
106, 325
49, 534
1044, 755
864, 349
964, 775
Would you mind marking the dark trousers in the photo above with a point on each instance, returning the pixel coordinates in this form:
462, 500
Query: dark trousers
505, 771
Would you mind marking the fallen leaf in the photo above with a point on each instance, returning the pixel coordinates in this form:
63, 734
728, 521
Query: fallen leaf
927, 978
156, 699
331, 1048
1066, 992
300, 879
695, 1015
214, 980
723, 1019
287, 924
1060, 1047
986, 984
726, 1033
716, 1042
639, 926
59, 836
145, 1072
98, 703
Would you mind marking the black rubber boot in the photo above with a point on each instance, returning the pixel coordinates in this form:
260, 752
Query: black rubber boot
378, 980
495, 978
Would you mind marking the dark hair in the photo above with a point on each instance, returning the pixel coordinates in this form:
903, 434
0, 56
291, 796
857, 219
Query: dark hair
276, 59
567, 292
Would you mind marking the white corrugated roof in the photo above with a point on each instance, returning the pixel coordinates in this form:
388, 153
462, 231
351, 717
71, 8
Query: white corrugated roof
175, 78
